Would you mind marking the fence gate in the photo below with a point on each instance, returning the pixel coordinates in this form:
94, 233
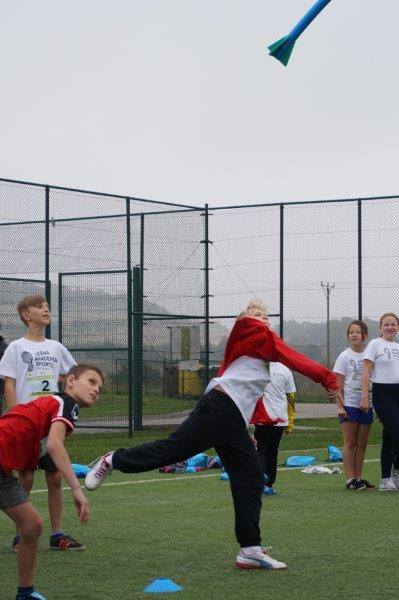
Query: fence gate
95, 324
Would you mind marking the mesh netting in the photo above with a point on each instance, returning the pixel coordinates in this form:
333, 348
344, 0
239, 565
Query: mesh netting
79, 248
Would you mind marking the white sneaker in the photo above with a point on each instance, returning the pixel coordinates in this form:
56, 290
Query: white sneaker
387, 485
395, 476
259, 560
99, 472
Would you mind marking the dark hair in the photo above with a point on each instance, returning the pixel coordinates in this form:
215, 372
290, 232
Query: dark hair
389, 315
28, 301
363, 328
78, 370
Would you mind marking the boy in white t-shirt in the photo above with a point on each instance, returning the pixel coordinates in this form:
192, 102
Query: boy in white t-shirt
31, 367
274, 414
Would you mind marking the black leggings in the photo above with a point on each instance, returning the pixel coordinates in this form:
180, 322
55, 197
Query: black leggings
268, 440
216, 421
386, 405
386, 455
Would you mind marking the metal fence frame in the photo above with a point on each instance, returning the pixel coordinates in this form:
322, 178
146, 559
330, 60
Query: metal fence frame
136, 273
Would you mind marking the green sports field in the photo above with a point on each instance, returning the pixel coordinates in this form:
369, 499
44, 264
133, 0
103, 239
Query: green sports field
337, 543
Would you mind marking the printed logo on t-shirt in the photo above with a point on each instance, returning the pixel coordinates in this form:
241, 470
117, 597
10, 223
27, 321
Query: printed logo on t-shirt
41, 378
28, 359
354, 380
391, 353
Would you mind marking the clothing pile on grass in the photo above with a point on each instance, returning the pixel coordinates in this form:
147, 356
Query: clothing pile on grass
199, 462
308, 462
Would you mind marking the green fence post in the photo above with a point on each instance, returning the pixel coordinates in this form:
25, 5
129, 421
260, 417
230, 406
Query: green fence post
206, 295
129, 311
359, 260
60, 308
47, 253
137, 349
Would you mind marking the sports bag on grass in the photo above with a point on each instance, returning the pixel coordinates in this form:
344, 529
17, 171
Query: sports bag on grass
300, 461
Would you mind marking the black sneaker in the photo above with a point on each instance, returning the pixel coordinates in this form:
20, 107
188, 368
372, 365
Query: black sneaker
356, 484
65, 542
368, 485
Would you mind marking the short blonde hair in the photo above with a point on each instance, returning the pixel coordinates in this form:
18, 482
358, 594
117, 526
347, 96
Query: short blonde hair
255, 305
35, 300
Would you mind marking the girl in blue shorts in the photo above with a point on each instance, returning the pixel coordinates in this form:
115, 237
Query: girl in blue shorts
355, 422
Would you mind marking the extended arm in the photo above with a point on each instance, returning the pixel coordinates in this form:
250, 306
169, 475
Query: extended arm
250, 337
301, 363
366, 375
340, 404
9, 392
56, 449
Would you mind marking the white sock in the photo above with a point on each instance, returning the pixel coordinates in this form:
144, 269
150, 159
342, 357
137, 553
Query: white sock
248, 550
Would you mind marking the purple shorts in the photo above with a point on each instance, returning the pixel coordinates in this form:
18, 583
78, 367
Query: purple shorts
355, 415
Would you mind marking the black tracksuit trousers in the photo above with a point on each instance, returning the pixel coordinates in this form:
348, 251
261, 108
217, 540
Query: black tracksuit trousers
216, 421
386, 455
268, 439
386, 405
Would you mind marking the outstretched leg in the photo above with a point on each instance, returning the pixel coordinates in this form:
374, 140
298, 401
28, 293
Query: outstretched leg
209, 423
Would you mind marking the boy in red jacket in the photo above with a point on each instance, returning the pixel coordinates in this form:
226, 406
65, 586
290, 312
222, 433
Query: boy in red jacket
220, 420
46, 420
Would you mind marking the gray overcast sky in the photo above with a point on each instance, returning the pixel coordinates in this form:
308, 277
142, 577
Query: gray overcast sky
178, 100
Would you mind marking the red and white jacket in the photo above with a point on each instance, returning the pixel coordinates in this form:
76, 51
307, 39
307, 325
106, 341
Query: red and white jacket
25, 427
244, 371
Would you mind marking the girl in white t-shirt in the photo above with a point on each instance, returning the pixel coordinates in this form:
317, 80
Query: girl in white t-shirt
355, 422
381, 366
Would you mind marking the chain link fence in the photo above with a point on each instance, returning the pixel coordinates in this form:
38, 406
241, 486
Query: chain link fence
159, 335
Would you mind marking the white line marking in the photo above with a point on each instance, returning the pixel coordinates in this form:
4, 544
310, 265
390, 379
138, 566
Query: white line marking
188, 477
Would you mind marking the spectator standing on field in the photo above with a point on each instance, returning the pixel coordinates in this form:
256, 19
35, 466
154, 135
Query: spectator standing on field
274, 414
355, 422
31, 367
381, 366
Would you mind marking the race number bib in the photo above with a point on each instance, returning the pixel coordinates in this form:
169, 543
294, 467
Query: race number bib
41, 385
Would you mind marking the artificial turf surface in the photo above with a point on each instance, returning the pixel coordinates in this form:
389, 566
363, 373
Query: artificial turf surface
336, 543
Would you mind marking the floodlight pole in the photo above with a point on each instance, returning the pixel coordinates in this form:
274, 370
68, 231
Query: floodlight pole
170, 344
327, 289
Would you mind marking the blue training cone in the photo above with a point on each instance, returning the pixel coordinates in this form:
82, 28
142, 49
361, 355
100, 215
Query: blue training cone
80, 470
162, 586
224, 477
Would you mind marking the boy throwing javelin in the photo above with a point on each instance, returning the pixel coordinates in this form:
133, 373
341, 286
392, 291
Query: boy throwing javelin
220, 420
48, 419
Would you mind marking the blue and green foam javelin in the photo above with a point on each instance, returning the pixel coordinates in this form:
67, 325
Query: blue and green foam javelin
282, 48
